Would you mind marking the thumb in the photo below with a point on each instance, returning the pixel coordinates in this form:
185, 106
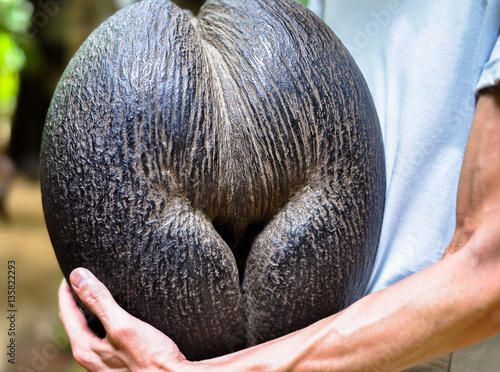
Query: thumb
96, 297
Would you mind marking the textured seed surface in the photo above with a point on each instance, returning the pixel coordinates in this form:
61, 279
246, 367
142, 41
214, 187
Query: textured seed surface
223, 175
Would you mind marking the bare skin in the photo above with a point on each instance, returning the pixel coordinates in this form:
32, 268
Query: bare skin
450, 305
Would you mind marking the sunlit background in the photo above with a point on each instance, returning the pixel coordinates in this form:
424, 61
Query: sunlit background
37, 40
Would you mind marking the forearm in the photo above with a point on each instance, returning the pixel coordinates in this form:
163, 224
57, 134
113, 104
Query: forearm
420, 318
429, 314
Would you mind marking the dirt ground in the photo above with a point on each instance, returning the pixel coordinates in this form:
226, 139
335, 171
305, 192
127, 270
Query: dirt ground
41, 343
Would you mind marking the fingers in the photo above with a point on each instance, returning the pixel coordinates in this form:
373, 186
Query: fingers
130, 344
82, 339
70, 314
73, 319
98, 299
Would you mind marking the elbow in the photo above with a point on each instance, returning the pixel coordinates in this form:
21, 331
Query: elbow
482, 254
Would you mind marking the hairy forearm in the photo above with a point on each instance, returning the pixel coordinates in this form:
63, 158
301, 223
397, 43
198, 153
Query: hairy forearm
431, 313
422, 317
452, 304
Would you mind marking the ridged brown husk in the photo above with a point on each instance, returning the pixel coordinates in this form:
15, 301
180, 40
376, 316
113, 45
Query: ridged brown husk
222, 175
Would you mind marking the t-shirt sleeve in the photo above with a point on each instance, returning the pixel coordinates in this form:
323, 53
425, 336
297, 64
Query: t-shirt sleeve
491, 71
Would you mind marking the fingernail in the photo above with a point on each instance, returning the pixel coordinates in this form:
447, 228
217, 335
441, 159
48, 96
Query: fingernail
79, 277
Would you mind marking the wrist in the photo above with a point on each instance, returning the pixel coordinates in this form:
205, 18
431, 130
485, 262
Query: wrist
292, 352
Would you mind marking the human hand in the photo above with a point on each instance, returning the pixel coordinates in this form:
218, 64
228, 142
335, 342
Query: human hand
130, 344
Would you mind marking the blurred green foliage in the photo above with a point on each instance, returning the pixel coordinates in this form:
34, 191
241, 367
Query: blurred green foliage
11, 61
15, 15
15, 18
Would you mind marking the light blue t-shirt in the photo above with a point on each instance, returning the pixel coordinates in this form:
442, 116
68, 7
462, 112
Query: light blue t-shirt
423, 61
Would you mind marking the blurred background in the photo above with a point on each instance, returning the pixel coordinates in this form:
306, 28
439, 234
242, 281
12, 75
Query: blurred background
37, 40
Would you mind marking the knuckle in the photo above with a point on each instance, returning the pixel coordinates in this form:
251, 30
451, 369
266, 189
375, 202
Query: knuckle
97, 293
81, 355
122, 332
99, 296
